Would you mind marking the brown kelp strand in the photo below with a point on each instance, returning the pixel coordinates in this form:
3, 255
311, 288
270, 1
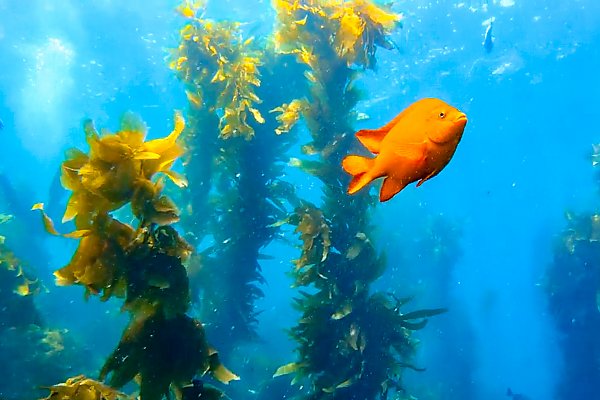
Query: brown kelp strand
351, 344
162, 347
239, 160
572, 285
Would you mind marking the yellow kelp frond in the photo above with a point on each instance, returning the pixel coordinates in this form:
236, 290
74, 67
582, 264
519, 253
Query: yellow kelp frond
189, 8
107, 177
362, 27
80, 387
219, 371
354, 27
289, 115
220, 68
49, 225
99, 262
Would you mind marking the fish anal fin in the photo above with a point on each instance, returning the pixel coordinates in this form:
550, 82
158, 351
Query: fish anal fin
390, 188
371, 138
428, 177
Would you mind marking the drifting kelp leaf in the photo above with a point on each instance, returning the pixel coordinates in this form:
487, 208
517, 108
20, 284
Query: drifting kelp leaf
287, 369
49, 225
219, 371
347, 383
256, 114
176, 178
163, 145
423, 313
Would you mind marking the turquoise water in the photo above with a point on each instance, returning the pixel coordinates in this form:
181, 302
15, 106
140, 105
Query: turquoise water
533, 107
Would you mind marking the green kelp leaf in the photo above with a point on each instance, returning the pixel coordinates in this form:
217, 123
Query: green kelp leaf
286, 369
415, 326
4, 218
423, 313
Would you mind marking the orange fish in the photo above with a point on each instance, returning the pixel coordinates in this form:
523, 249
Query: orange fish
414, 146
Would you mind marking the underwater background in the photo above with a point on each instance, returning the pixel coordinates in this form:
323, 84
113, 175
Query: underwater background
500, 253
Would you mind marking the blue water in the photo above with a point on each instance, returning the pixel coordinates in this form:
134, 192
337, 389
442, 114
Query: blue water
533, 106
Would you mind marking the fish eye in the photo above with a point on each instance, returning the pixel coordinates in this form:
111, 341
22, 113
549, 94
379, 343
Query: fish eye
442, 115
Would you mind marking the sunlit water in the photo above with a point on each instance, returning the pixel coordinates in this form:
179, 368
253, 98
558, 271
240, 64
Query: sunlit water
532, 104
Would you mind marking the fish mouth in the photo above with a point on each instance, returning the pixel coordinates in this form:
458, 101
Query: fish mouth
462, 117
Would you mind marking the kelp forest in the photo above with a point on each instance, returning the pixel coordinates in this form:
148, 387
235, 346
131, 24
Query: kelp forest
176, 228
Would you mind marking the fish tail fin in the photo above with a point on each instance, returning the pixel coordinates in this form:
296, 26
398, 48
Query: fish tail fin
358, 167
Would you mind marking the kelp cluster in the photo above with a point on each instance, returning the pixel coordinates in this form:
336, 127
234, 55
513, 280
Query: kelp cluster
572, 284
244, 100
162, 347
80, 387
236, 164
30, 352
351, 344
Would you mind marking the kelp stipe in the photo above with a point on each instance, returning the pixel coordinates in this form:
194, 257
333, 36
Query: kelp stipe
236, 195
162, 347
351, 344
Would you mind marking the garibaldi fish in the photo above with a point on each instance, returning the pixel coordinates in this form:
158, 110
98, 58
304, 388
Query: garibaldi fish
415, 146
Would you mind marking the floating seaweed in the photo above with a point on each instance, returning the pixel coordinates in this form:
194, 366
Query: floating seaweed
144, 264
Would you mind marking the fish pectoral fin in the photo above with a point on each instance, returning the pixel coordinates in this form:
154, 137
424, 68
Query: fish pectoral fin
411, 151
390, 188
371, 138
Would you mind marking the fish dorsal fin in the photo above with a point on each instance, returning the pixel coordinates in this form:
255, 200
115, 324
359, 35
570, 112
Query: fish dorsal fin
371, 138
390, 188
